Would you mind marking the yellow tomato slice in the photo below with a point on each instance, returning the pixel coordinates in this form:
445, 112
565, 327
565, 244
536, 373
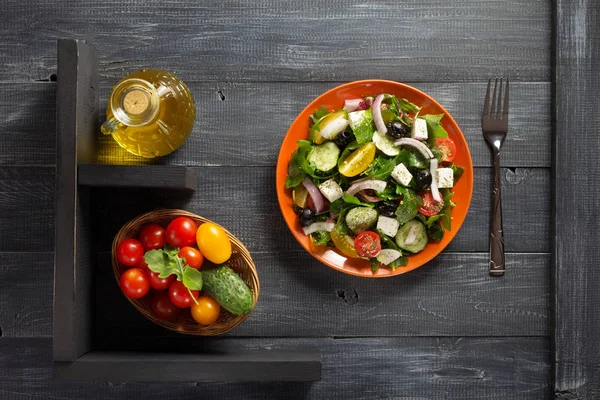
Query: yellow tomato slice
359, 160
344, 244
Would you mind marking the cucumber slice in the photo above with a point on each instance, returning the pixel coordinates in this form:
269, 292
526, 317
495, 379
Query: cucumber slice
359, 219
420, 236
324, 157
385, 144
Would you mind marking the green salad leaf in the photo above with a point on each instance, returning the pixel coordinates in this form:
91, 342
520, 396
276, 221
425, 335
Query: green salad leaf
416, 160
381, 168
386, 241
458, 172
297, 168
320, 238
347, 151
399, 262
408, 107
446, 217
350, 199
434, 126
361, 123
319, 114
192, 279
435, 232
375, 264
407, 209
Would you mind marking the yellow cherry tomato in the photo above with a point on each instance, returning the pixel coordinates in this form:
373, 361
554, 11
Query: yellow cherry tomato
344, 243
213, 243
359, 160
206, 310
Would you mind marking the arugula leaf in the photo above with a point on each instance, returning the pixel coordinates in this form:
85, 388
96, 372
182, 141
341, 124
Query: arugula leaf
381, 168
374, 264
403, 157
341, 227
389, 193
319, 114
458, 172
158, 262
297, 168
407, 209
399, 262
320, 238
361, 123
447, 218
350, 199
171, 251
435, 232
416, 160
408, 107
431, 220
192, 279
386, 241
434, 127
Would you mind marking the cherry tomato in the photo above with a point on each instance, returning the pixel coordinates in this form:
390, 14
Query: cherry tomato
206, 311
368, 244
213, 243
181, 232
447, 147
180, 295
152, 237
163, 308
156, 282
134, 283
192, 257
344, 244
130, 252
430, 206
359, 160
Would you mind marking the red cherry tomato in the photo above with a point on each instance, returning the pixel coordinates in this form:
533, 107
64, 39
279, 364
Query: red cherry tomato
134, 283
152, 237
180, 295
447, 147
130, 252
430, 206
163, 308
181, 232
156, 282
192, 257
368, 244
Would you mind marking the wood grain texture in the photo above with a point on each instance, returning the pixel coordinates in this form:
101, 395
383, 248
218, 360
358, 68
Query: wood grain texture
301, 297
287, 40
576, 231
257, 117
423, 368
170, 177
244, 201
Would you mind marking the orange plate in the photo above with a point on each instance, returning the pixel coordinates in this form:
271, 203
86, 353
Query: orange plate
334, 99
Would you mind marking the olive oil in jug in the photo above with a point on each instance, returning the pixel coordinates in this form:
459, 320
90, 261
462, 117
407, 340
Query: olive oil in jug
150, 113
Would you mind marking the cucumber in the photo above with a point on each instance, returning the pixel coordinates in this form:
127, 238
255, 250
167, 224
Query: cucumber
359, 219
324, 157
385, 144
420, 240
228, 289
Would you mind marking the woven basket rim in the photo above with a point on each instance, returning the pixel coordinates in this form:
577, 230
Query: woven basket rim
226, 321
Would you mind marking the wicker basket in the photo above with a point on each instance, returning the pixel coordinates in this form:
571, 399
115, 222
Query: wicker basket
240, 262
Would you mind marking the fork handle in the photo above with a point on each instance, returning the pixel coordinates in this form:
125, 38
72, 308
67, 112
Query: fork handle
496, 234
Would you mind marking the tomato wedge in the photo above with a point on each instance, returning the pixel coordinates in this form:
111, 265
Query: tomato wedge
368, 244
359, 160
344, 244
447, 147
430, 206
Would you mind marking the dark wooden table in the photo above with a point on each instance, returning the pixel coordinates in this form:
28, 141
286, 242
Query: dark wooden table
446, 330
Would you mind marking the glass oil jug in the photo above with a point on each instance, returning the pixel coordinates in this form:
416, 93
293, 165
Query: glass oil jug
150, 113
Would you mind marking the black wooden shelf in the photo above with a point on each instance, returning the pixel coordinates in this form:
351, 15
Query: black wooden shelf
74, 353
138, 176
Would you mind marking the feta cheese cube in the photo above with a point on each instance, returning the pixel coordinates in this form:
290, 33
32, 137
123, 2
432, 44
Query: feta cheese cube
445, 178
401, 174
389, 226
419, 129
331, 190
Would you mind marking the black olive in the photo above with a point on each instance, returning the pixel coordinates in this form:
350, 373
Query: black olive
344, 138
306, 217
397, 130
387, 209
422, 179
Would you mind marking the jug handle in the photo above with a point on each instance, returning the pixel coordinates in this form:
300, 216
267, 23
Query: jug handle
110, 126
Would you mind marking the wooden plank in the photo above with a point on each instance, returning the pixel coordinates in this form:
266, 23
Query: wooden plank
243, 200
301, 297
288, 41
576, 170
458, 368
137, 176
232, 365
247, 138
76, 116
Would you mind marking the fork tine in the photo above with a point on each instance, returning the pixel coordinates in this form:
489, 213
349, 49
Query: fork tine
486, 104
499, 110
505, 111
493, 109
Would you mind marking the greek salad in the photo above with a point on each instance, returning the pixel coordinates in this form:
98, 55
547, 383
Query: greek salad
374, 179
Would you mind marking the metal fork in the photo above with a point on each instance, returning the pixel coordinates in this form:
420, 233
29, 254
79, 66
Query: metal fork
494, 124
